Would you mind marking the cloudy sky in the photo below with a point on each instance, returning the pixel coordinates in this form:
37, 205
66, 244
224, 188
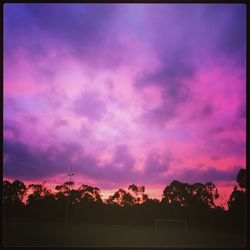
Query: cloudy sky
126, 93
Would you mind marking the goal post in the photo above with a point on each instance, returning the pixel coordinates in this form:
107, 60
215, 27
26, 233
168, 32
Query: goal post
171, 224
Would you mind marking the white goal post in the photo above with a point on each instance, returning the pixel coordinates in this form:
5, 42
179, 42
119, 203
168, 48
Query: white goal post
171, 224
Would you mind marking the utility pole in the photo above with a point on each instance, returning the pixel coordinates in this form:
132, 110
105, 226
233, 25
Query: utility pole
70, 174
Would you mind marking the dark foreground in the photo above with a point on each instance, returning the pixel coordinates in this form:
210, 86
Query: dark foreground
56, 234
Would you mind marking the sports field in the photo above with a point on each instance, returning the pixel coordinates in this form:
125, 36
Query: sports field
116, 235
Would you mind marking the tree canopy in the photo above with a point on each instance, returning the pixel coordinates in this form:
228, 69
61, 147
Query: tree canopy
179, 200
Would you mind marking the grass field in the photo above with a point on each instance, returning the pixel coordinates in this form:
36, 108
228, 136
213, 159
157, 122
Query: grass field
116, 235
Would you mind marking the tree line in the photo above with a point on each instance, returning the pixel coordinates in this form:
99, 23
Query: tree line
192, 202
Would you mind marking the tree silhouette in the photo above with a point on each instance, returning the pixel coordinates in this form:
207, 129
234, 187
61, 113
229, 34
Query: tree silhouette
203, 194
63, 191
89, 193
39, 200
38, 192
180, 194
122, 198
237, 201
175, 194
13, 194
193, 202
237, 198
241, 179
140, 196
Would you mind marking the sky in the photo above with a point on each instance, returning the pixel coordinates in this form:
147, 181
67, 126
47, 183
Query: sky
125, 93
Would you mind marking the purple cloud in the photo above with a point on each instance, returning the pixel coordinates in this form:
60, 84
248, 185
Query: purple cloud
126, 93
210, 174
90, 105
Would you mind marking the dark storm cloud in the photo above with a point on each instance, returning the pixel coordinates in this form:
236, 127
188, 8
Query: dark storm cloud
10, 126
120, 169
173, 98
170, 78
122, 155
229, 146
210, 174
172, 70
156, 165
204, 111
183, 40
160, 115
189, 28
241, 110
231, 19
22, 161
36, 27
25, 162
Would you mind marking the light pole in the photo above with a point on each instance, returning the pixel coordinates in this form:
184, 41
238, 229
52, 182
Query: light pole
70, 174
